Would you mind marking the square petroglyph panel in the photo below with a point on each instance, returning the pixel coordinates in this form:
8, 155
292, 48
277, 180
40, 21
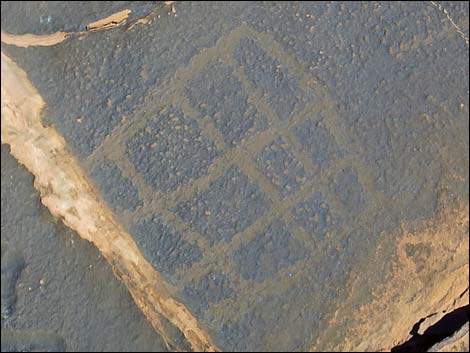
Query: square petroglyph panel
349, 191
208, 290
274, 81
229, 205
314, 215
268, 252
116, 189
282, 167
164, 246
170, 151
317, 142
217, 93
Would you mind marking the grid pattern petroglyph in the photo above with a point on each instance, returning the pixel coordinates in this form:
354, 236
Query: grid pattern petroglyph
241, 152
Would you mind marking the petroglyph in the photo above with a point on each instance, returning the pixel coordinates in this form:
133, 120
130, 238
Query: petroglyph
274, 170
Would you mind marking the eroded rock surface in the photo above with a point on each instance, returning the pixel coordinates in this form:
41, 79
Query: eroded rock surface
296, 172
58, 293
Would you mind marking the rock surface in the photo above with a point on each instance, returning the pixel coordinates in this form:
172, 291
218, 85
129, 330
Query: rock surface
58, 293
296, 172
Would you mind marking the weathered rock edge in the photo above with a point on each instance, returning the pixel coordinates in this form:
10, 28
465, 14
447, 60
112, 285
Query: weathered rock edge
68, 194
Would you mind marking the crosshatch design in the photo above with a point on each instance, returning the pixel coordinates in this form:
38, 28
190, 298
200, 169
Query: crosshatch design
230, 163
